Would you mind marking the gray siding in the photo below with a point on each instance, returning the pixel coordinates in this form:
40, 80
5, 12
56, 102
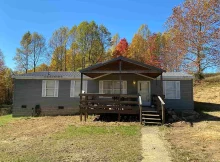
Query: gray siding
186, 90
186, 97
131, 88
29, 92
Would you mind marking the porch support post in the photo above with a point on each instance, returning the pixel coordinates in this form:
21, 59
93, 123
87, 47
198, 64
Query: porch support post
161, 84
81, 87
81, 83
120, 90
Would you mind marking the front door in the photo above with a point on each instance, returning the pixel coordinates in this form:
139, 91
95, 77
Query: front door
144, 91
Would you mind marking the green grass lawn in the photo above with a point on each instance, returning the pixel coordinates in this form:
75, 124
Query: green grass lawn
67, 139
6, 119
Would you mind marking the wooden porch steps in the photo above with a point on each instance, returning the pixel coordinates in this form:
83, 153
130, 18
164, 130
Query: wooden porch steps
151, 118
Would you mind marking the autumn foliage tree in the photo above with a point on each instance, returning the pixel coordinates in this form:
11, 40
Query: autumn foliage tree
5, 82
153, 53
58, 45
171, 55
146, 47
197, 22
121, 49
31, 52
2, 68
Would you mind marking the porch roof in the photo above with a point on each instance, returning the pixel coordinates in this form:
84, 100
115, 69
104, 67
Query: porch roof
128, 66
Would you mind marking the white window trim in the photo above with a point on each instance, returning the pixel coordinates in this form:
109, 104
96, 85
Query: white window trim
72, 88
44, 89
123, 89
177, 89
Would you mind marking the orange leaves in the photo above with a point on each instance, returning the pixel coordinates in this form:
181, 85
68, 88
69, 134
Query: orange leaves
121, 48
153, 60
194, 27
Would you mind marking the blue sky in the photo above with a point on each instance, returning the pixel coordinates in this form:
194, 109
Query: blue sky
45, 16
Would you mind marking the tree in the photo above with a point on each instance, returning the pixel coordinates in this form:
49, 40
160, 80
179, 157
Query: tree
58, 44
197, 22
121, 48
42, 67
83, 34
23, 53
138, 46
93, 41
115, 40
74, 49
2, 71
2, 64
57, 61
32, 50
5, 82
154, 48
144, 31
38, 49
171, 56
8, 86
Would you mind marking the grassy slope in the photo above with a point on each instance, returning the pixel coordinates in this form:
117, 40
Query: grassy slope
202, 141
208, 91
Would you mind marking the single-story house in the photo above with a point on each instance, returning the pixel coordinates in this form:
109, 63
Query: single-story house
110, 82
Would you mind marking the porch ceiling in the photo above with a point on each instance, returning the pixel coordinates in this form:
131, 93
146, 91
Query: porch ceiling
128, 66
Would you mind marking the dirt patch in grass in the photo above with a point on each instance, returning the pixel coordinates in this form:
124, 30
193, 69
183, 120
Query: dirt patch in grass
67, 139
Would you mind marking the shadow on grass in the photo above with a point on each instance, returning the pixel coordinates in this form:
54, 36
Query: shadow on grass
204, 108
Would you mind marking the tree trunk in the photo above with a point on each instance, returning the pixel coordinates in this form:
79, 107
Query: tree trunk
199, 73
74, 65
65, 58
34, 67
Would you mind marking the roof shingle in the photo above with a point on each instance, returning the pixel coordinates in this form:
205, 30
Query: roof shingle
77, 75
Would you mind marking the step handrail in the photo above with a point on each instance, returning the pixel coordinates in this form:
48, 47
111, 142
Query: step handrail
140, 107
162, 108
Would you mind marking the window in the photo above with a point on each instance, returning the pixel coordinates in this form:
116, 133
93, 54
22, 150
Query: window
75, 88
171, 89
50, 88
112, 87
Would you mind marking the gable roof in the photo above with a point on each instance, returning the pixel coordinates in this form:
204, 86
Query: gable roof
125, 65
122, 59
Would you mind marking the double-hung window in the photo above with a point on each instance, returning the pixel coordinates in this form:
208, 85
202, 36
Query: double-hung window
112, 87
75, 88
50, 88
171, 89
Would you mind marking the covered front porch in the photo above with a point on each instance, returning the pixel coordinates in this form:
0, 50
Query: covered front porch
124, 87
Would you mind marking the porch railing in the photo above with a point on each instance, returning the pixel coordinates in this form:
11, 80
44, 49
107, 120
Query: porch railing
161, 108
108, 103
140, 107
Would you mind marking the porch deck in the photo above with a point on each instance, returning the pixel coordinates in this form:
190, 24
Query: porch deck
109, 103
113, 104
